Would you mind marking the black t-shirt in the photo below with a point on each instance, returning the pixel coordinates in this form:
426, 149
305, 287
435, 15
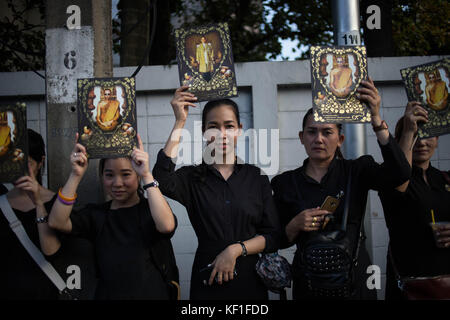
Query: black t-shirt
122, 239
20, 276
408, 218
3, 189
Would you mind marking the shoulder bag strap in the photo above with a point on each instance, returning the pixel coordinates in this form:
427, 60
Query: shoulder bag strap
361, 237
360, 234
394, 268
34, 252
446, 176
347, 200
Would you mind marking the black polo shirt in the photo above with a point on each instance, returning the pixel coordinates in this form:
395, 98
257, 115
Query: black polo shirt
295, 191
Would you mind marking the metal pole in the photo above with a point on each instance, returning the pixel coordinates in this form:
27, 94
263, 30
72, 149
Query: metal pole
346, 19
78, 45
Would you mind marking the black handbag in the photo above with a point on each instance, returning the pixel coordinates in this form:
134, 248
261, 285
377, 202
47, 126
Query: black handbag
327, 263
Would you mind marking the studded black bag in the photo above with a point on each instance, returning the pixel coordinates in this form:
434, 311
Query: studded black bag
327, 261
327, 265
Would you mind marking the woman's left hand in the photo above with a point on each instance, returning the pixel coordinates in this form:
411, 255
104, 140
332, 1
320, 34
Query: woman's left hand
368, 93
223, 265
140, 160
30, 185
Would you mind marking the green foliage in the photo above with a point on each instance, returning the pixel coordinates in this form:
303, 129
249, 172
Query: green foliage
256, 26
22, 43
421, 28
308, 21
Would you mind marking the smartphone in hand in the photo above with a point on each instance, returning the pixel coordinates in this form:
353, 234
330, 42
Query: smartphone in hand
330, 204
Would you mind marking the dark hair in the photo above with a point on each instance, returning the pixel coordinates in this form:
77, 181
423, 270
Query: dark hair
199, 173
217, 103
101, 168
338, 125
36, 150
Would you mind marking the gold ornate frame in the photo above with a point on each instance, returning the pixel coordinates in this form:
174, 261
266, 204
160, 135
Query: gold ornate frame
103, 144
327, 106
11, 167
218, 86
438, 121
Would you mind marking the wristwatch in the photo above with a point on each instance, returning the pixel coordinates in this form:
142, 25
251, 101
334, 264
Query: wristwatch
383, 126
42, 219
244, 249
154, 183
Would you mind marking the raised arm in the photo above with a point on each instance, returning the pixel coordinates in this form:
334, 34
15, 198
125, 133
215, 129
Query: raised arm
174, 184
414, 113
395, 170
181, 102
159, 208
60, 215
368, 93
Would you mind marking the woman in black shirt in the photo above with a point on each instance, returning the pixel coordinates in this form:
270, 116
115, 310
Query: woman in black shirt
407, 209
299, 193
20, 276
229, 204
122, 230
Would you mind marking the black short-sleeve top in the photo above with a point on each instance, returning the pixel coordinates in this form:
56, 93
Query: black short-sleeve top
122, 238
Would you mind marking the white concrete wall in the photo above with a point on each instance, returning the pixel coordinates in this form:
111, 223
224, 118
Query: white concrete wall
272, 95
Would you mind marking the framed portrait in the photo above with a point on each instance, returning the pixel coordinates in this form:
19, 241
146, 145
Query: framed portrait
205, 61
429, 84
107, 123
13, 142
336, 73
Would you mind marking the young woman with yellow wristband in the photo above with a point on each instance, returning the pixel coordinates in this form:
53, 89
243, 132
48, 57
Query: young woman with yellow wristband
122, 230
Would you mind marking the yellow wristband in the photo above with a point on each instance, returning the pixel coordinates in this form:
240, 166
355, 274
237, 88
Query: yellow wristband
65, 198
